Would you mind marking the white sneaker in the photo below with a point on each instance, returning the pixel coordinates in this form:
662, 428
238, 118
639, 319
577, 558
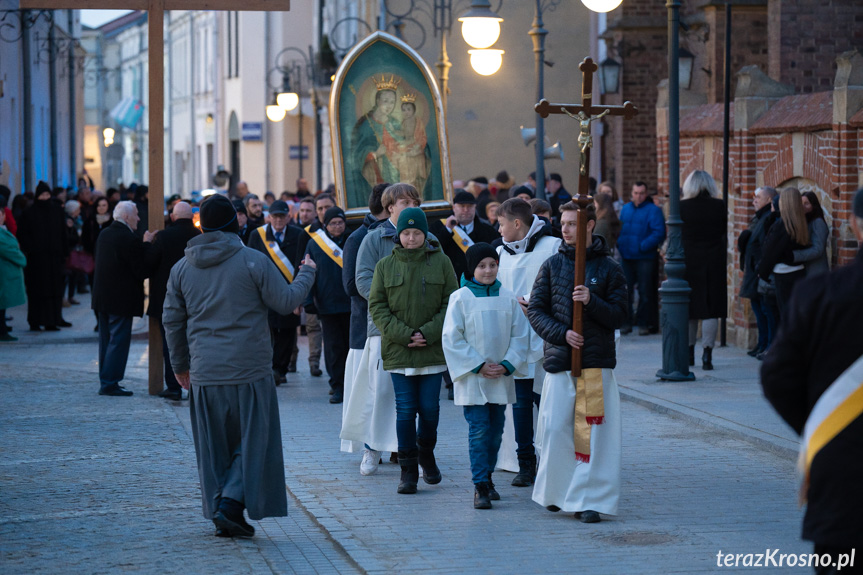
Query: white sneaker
370, 461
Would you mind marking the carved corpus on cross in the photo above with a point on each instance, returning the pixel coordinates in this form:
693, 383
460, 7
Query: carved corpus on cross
586, 113
156, 115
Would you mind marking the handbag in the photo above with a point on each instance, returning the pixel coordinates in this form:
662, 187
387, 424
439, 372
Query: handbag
80, 262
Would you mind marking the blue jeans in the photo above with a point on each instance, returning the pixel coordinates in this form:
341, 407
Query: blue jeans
115, 336
644, 274
485, 430
417, 394
765, 321
522, 418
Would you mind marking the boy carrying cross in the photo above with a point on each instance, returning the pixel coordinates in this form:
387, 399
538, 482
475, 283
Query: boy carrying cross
579, 427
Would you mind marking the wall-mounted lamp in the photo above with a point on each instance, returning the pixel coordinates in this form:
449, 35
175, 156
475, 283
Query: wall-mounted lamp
609, 76
686, 61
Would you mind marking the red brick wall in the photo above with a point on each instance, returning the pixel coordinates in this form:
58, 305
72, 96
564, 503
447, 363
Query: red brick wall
805, 36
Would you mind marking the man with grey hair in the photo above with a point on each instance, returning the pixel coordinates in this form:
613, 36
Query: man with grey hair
813, 377
749, 245
168, 249
118, 293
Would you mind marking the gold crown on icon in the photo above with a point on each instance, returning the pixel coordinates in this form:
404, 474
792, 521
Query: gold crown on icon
384, 84
409, 98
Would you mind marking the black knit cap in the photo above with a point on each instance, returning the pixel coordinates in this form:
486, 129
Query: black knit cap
475, 254
42, 187
218, 215
334, 212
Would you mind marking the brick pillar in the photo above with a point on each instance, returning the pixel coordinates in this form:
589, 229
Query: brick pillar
847, 101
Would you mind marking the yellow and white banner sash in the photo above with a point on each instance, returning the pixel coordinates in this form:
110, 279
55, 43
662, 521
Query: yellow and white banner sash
325, 243
837, 408
462, 240
277, 255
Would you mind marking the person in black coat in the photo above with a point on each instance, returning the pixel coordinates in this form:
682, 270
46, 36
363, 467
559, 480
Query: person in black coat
749, 244
44, 240
818, 340
118, 293
286, 242
789, 233
328, 298
168, 248
465, 218
704, 235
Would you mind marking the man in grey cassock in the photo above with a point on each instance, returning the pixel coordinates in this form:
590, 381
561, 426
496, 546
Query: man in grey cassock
220, 348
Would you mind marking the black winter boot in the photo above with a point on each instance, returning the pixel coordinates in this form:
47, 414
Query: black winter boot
410, 473
492, 492
431, 473
691, 355
526, 471
707, 359
481, 498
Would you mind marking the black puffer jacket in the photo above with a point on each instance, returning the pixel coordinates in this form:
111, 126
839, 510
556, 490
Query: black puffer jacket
550, 308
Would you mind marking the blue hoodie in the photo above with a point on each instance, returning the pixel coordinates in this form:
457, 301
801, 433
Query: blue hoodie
642, 231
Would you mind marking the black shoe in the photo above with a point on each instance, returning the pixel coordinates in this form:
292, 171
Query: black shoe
410, 475
83, 290
394, 457
96, 328
492, 492
336, 397
222, 532
172, 395
754, 351
691, 355
450, 394
292, 367
588, 516
279, 377
315, 370
707, 359
52, 328
116, 391
431, 472
234, 526
73, 301
63, 323
35, 327
626, 330
526, 472
553, 508
481, 499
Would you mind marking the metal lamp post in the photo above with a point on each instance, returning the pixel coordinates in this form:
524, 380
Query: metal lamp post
537, 34
675, 290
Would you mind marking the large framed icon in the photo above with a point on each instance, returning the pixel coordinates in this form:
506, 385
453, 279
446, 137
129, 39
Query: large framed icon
387, 125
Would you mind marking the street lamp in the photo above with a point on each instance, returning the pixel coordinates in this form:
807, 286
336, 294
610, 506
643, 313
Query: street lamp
275, 113
480, 25
486, 62
601, 5
609, 76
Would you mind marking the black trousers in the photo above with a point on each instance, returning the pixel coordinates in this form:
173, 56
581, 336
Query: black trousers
336, 331
284, 340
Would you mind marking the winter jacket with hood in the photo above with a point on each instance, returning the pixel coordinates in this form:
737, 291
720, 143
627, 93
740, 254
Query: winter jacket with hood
410, 293
377, 245
215, 311
359, 305
550, 308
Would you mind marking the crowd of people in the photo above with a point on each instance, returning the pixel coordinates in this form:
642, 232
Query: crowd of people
480, 300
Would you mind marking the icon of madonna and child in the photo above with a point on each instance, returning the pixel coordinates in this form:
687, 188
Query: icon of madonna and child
389, 142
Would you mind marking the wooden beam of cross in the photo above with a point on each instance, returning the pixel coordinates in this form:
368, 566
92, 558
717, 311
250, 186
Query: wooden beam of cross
156, 114
586, 113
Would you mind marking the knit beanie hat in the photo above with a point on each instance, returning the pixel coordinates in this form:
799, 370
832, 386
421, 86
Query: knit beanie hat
475, 254
334, 212
41, 188
413, 218
218, 215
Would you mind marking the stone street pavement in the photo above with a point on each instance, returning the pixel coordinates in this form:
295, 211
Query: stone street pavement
91, 484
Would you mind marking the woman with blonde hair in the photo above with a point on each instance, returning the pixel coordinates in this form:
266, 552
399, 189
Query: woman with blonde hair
778, 251
704, 235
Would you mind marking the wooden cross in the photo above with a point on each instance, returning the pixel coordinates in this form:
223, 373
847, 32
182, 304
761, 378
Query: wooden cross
585, 113
156, 68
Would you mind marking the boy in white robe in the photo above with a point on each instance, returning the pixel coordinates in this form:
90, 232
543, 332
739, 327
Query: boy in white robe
526, 242
579, 427
485, 339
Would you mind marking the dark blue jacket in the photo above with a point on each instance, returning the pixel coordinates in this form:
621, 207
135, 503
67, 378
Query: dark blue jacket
642, 232
328, 294
359, 305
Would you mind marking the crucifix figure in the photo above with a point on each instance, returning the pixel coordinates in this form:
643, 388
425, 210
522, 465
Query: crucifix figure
156, 69
586, 113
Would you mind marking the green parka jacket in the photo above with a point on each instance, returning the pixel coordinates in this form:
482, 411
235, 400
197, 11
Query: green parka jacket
410, 291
